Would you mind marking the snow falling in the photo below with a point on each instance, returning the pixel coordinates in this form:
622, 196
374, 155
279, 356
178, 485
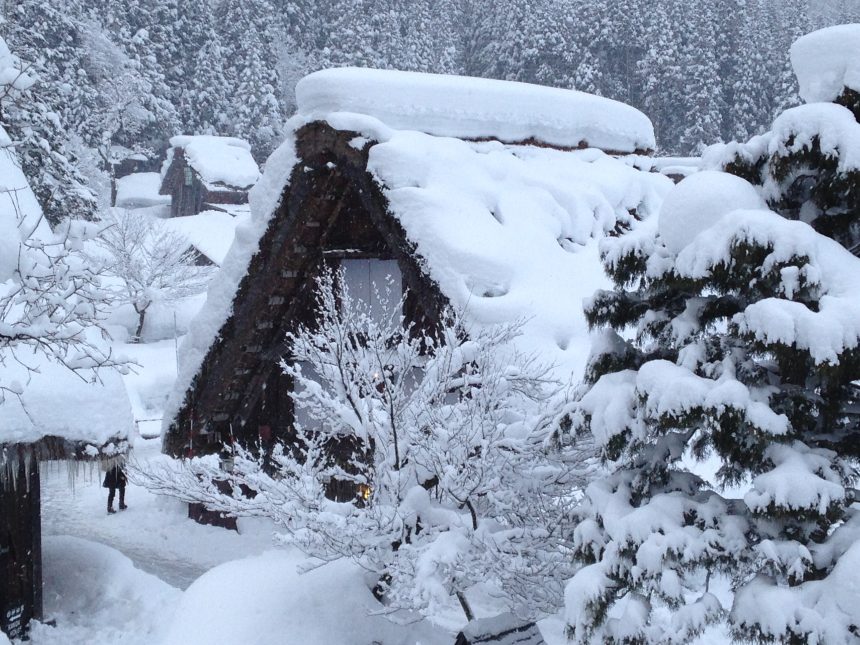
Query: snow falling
430, 322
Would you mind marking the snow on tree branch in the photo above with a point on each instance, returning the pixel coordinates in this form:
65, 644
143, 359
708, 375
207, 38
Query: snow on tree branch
152, 262
424, 457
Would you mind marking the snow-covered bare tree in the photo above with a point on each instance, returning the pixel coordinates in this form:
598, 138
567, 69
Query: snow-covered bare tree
52, 300
153, 263
423, 457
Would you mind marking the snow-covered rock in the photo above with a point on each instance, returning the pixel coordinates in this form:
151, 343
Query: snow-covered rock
477, 108
826, 61
698, 202
265, 600
220, 161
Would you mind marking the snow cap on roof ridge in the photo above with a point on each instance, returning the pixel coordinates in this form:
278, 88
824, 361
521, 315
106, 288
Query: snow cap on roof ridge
182, 140
477, 108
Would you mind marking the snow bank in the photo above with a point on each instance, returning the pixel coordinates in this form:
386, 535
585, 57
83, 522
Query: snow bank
140, 190
269, 602
220, 161
96, 595
476, 108
698, 201
826, 61
210, 232
57, 402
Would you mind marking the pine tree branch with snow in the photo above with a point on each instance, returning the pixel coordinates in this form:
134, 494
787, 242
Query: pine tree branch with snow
743, 345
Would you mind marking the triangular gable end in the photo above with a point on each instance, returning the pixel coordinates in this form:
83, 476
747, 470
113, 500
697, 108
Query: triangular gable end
331, 208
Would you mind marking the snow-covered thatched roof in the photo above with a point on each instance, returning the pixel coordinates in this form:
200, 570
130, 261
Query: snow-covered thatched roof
140, 190
477, 108
59, 404
506, 231
220, 161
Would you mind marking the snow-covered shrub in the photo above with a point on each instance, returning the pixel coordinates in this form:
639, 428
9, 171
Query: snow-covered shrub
422, 456
741, 340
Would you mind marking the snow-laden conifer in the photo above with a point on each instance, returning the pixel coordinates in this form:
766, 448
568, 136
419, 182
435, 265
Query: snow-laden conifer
731, 332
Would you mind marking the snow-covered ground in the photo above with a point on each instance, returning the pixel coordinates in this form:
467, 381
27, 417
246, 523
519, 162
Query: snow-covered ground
123, 578
149, 575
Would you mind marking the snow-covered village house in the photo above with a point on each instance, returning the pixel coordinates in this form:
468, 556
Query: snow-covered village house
491, 197
59, 417
203, 172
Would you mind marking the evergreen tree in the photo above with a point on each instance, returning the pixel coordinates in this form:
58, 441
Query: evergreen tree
746, 348
731, 359
49, 40
247, 36
804, 168
703, 104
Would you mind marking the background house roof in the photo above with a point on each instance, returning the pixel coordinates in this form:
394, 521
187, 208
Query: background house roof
210, 232
220, 161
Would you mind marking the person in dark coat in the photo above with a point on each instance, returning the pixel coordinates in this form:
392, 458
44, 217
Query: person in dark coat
115, 478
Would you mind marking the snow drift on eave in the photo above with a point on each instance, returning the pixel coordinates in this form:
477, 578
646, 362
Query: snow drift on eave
59, 403
508, 232
477, 108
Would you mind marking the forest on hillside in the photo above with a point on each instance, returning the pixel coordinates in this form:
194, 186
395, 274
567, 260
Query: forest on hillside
123, 76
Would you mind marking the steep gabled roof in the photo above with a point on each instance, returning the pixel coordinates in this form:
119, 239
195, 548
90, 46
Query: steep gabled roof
502, 231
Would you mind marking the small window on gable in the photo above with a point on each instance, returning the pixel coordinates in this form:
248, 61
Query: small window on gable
189, 177
375, 282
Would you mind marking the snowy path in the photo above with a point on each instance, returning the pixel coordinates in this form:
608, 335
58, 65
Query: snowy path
154, 532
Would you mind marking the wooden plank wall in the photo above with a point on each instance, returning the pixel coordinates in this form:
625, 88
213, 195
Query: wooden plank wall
20, 550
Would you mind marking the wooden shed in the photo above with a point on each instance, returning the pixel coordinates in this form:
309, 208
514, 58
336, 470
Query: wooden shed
452, 208
203, 171
59, 417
